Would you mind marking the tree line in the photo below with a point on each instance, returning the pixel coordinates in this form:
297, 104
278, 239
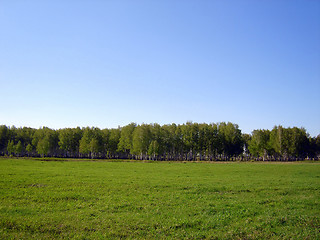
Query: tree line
189, 141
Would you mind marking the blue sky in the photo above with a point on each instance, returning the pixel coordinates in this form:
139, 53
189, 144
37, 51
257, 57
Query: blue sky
109, 63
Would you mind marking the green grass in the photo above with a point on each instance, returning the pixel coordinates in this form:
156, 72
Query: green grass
161, 200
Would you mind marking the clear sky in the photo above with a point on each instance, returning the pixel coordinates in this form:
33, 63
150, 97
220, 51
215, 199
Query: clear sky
108, 63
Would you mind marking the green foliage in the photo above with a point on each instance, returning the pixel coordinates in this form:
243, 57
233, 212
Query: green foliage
154, 148
46, 141
10, 147
230, 139
141, 140
259, 144
125, 141
284, 142
69, 140
18, 148
189, 141
43, 146
25, 135
29, 148
4, 137
92, 142
315, 145
136, 200
114, 140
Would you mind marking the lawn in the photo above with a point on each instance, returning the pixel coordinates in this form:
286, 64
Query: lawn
158, 200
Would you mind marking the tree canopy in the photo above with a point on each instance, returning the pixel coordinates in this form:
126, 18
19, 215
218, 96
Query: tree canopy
189, 141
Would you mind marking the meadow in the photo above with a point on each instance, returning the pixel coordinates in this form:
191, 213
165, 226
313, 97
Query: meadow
158, 200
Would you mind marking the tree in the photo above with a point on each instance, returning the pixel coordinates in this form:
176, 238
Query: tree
154, 149
69, 140
46, 142
29, 149
317, 146
208, 140
25, 135
170, 141
259, 145
125, 140
290, 142
43, 146
18, 148
230, 137
276, 140
299, 142
113, 144
10, 147
95, 147
189, 141
141, 141
157, 144
4, 138
84, 145
91, 143
246, 140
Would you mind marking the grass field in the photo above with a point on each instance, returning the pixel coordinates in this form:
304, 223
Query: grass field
160, 200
